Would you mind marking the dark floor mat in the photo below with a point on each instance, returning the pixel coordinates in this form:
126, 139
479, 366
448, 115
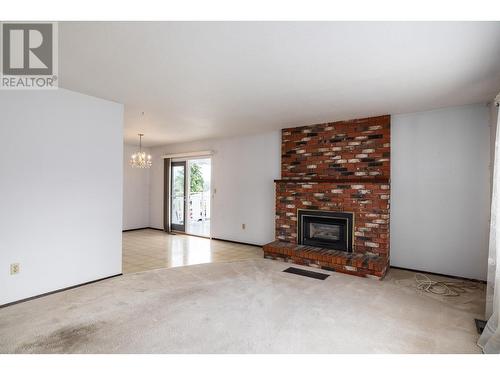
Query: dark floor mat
301, 272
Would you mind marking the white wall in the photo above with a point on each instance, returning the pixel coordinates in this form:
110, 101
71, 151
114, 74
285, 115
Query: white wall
243, 170
135, 192
60, 190
440, 190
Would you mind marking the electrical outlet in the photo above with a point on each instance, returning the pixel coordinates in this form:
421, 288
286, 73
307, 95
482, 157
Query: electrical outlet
14, 268
243, 226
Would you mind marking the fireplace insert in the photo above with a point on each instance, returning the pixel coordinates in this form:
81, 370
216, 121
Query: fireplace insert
331, 230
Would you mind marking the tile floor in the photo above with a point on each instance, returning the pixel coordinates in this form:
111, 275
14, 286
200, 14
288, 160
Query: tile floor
150, 249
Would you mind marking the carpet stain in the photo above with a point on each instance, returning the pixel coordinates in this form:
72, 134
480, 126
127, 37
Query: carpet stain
64, 340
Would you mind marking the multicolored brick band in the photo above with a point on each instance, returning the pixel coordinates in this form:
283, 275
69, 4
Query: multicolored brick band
356, 148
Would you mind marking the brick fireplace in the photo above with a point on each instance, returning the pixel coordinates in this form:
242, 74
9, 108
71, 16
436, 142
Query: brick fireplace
332, 201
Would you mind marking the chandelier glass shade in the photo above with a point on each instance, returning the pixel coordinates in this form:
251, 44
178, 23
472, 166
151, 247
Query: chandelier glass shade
140, 159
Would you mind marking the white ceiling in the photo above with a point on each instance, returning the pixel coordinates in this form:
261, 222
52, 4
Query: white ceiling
197, 80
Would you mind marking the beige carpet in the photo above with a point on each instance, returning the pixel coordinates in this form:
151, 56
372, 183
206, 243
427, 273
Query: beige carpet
242, 307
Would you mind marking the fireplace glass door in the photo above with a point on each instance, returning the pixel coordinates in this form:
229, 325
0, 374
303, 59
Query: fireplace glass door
326, 231
331, 230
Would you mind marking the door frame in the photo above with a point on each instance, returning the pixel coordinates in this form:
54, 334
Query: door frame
178, 227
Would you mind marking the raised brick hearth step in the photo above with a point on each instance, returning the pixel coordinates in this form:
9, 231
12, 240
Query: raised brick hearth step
366, 265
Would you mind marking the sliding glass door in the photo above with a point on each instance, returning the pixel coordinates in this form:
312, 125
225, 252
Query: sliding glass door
191, 196
198, 193
178, 196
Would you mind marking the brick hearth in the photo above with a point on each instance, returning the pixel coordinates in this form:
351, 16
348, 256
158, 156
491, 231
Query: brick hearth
332, 260
342, 167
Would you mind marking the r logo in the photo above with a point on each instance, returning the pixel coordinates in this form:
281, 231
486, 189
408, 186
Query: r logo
27, 49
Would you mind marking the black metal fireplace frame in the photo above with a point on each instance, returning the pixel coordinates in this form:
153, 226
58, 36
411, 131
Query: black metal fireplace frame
349, 227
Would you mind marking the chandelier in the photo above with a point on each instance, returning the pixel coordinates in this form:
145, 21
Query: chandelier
140, 159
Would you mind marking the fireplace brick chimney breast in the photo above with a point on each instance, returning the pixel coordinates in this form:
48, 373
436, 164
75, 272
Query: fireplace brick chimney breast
340, 167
